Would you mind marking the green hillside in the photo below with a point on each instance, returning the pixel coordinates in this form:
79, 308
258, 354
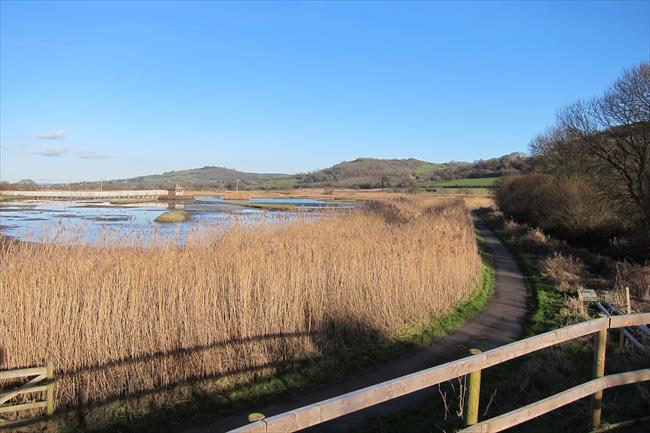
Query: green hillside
478, 182
407, 173
359, 173
196, 178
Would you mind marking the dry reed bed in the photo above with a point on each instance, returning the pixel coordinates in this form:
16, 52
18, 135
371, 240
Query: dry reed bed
117, 320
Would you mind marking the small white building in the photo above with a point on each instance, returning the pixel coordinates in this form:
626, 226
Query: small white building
176, 191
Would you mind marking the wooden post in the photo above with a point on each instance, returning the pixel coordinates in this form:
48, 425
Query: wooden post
621, 341
50, 388
599, 371
621, 338
473, 393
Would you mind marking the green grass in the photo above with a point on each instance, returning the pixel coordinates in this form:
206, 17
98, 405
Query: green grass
174, 216
263, 206
545, 302
280, 183
207, 398
4, 197
428, 168
478, 182
464, 191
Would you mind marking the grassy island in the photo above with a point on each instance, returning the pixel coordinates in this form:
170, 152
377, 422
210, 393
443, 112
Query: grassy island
174, 216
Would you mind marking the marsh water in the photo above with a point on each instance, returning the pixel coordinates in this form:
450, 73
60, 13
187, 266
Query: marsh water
91, 221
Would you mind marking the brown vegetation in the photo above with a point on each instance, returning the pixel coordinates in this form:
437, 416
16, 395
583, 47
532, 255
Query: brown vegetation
568, 268
595, 190
472, 199
565, 207
120, 319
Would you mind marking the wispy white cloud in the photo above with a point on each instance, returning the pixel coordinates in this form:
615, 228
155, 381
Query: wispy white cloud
52, 151
91, 155
55, 135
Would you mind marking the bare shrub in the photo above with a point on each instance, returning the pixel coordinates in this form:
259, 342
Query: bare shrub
533, 239
564, 207
563, 271
574, 311
510, 227
634, 276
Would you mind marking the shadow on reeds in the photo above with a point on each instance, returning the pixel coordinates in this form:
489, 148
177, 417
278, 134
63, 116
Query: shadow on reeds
181, 351
342, 346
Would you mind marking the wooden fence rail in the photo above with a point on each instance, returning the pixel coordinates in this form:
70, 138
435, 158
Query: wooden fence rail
556, 401
326, 410
83, 195
307, 416
42, 380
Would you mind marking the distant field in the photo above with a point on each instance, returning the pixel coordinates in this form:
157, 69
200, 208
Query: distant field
478, 182
280, 183
4, 197
427, 168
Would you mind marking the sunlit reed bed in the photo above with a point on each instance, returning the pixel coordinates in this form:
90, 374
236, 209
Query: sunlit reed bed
121, 317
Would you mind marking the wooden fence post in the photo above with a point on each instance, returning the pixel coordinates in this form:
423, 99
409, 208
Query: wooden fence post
50, 388
599, 371
621, 341
473, 393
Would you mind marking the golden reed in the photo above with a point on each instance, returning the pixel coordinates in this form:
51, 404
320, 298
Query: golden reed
119, 319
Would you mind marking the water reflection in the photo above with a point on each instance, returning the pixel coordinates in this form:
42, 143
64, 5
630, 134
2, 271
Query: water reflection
91, 222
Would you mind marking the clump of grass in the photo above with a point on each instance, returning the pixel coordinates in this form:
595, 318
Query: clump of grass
173, 216
119, 320
565, 272
636, 277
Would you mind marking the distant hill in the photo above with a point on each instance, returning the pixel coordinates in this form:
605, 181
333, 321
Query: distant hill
195, 178
359, 173
386, 173
370, 173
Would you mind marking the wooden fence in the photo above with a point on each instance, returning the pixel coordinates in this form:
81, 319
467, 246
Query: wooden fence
326, 410
308, 416
89, 195
42, 381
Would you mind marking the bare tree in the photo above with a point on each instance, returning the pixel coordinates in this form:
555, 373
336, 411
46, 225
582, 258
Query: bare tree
608, 141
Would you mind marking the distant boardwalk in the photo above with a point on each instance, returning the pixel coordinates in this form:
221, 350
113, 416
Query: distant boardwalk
79, 195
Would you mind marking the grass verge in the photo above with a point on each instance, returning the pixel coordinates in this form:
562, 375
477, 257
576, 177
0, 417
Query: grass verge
545, 302
174, 216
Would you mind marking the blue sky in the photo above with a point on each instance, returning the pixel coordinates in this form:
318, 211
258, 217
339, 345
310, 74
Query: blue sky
100, 90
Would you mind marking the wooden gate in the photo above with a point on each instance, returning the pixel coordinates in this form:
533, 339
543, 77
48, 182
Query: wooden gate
41, 379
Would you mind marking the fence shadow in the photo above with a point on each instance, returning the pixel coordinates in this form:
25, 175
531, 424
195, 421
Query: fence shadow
338, 338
